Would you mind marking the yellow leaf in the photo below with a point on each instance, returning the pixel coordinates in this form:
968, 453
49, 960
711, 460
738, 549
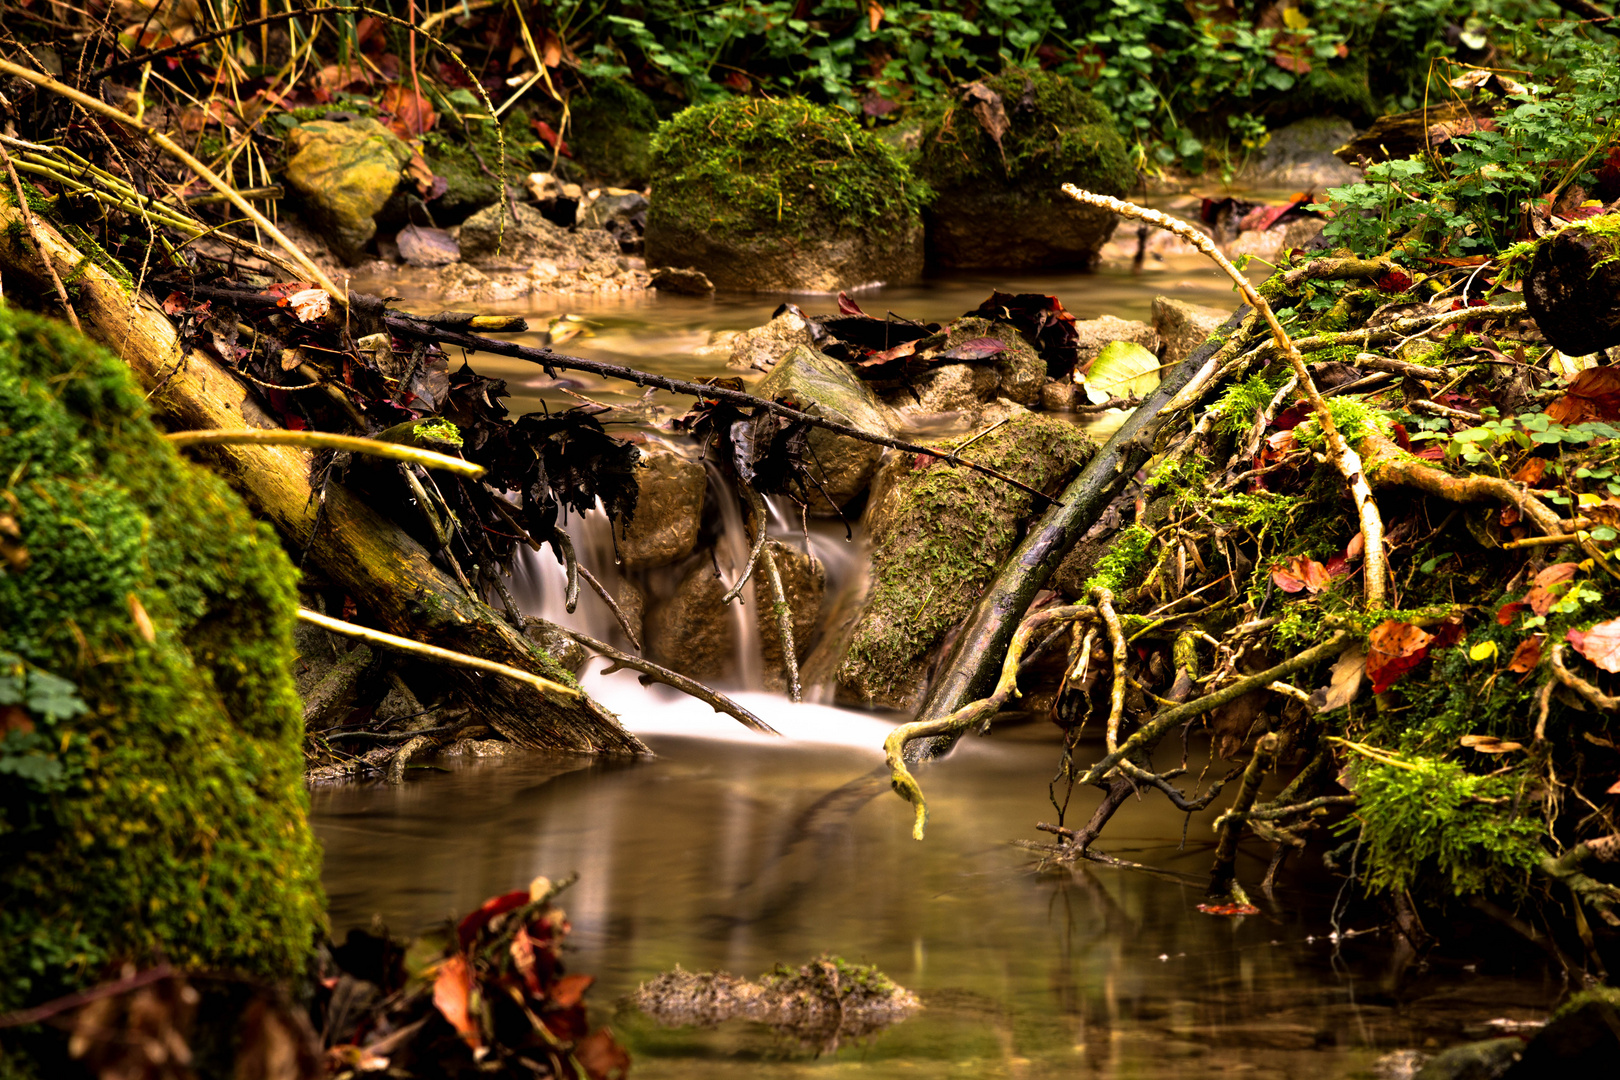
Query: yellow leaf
1586, 498
1483, 651
1295, 19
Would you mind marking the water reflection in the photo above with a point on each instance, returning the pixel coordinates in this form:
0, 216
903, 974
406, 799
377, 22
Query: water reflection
740, 855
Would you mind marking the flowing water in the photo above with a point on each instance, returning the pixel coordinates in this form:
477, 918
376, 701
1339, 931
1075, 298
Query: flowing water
735, 851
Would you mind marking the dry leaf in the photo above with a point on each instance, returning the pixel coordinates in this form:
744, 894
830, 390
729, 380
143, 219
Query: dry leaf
412, 113
309, 305
1489, 744
989, 111
874, 15
1301, 573
1344, 684
1594, 394
143, 621
1393, 649
1601, 644
1541, 597
452, 993
1527, 655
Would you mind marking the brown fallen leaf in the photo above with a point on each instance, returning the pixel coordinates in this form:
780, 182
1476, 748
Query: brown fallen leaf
1600, 644
452, 991
143, 621
1344, 683
1542, 596
1393, 649
1594, 394
1300, 573
1527, 655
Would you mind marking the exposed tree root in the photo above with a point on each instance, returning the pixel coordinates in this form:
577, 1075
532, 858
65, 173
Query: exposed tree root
1222, 879
1389, 464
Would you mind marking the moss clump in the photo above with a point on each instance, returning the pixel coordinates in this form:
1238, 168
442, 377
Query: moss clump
611, 132
1124, 563
173, 822
1057, 134
939, 534
783, 166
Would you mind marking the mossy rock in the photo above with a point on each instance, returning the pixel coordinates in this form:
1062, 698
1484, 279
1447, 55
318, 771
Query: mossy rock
164, 817
611, 134
781, 195
345, 173
938, 536
830, 389
1003, 207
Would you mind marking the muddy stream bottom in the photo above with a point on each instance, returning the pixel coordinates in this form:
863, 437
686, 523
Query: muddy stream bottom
739, 853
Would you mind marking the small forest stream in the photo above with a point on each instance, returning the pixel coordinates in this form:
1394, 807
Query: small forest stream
735, 852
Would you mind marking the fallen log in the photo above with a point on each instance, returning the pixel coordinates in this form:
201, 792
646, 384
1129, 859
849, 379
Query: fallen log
388, 573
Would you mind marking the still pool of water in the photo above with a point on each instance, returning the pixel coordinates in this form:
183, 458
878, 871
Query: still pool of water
740, 853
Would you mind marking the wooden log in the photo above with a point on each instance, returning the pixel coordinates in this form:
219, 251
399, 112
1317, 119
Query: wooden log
371, 558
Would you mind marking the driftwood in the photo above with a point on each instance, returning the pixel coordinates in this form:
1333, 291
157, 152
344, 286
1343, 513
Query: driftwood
387, 571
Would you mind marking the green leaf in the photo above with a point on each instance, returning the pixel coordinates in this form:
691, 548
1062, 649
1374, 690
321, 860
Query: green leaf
1122, 369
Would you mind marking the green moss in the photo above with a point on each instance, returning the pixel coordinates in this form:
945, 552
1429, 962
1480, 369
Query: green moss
1429, 821
1063, 136
178, 830
939, 542
611, 132
752, 165
1354, 418
439, 430
1242, 400
1125, 562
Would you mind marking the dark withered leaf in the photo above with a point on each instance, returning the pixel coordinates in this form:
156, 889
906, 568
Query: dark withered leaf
1043, 321
977, 349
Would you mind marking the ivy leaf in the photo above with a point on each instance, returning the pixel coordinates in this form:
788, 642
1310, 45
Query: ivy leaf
1601, 644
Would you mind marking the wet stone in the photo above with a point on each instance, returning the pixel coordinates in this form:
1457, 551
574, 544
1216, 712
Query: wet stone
669, 510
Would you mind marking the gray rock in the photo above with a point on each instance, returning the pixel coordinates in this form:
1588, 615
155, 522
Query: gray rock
669, 509
1486, 1060
1299, 157
1183, 327
494, 238
345, 172
827, 388
950, 388
603, 207
760, 348
682, 280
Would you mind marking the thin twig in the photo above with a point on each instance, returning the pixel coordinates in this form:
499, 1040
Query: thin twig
613, 606
27, 214
756, 506
323, 440
433, 652
784, 623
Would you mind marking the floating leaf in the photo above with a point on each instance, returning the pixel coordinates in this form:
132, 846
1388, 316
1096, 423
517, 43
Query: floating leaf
1393, 649
1600, 644
1122, 369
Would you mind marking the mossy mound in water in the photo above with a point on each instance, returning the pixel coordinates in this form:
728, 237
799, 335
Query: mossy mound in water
781, 195
938, 536
152, 802
999, 204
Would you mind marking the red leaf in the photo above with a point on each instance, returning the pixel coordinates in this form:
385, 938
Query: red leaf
468, 928
1393, 649
1601, 644
1291, 62
846, 306
1541, 597
1447, 634
1228, 909
1527, 655
1301, 573
1510, 611
451, 993
1594, 394
1531, 472
549, 136
412, 114
1395, 281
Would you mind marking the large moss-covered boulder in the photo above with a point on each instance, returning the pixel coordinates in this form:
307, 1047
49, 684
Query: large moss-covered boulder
997, 159
152, 802
345, 172
828, 388
781, 196
938, 536
611, 133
